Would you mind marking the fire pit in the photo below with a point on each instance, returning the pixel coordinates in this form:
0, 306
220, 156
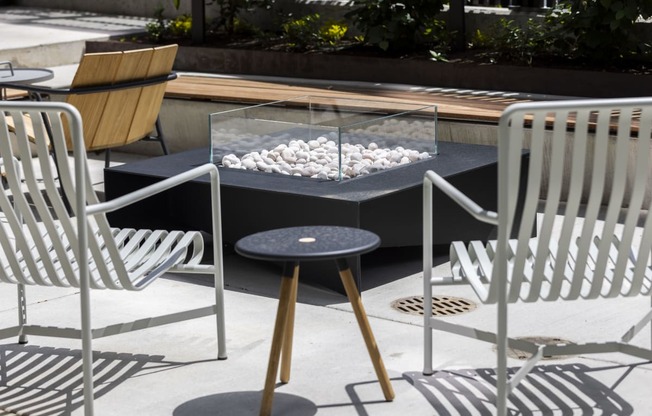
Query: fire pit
387, 202
324, 138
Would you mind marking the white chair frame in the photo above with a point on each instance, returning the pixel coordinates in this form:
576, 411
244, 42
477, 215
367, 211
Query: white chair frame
569, 143
44, 245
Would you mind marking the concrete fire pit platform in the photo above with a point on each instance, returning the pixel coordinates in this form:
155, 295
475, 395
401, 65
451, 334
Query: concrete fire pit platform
388, 203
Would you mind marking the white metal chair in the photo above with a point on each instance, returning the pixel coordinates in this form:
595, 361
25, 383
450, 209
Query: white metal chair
583, 174
42, 244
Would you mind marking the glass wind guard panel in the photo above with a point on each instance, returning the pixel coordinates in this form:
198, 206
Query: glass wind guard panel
324, 137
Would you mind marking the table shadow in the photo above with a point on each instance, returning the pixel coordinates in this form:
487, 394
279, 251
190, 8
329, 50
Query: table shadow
244, 403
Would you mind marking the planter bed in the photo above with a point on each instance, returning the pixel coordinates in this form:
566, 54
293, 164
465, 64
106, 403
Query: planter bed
552, 81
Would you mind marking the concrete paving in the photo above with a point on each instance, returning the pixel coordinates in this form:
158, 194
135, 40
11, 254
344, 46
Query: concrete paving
46, 37
172, 370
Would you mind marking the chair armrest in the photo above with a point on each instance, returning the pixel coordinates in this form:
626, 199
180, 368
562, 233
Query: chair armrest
96, 88
153, 189
461, 199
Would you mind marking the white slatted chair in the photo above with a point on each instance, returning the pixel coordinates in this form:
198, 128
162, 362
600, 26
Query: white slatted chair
43, 245
572, 145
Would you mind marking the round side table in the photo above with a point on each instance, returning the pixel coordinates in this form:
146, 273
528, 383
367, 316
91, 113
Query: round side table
293, 245
16, 77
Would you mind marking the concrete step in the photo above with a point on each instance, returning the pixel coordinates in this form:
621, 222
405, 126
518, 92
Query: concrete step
44, 56
49, 38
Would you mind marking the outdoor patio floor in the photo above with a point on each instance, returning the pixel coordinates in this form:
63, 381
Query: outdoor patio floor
172, 370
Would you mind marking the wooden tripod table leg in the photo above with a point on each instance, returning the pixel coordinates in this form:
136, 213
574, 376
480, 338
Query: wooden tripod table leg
284, 301
286, 356
360, 314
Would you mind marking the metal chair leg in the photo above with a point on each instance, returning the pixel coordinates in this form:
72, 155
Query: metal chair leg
107, 158
160, 138
22, 312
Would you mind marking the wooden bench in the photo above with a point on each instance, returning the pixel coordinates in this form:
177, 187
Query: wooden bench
483, 107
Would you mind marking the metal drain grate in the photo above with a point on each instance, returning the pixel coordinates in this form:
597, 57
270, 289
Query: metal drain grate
524, 355
441, 305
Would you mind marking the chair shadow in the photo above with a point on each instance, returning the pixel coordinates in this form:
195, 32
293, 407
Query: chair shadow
245, 403
42, 381
567, 389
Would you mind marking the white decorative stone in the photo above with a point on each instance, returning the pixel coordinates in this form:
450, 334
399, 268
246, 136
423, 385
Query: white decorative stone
321, 157
249, 164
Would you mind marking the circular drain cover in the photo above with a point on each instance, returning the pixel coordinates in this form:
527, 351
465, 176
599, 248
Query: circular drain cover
524, 355
441, 305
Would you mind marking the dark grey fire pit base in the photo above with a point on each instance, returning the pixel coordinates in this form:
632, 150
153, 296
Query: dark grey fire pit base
388, 203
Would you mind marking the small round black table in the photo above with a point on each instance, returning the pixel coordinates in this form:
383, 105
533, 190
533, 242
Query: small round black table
293, 245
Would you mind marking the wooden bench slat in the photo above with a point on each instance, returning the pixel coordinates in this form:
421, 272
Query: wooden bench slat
480, 107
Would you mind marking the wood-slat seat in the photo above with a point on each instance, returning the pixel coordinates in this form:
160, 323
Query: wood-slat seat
119, 95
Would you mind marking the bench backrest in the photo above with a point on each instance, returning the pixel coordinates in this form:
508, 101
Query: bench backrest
589, 229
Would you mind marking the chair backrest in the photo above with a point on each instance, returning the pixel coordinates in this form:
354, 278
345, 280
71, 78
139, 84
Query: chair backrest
590, 162
119, 117
39, 239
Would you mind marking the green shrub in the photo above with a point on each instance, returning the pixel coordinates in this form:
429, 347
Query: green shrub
302, 32
156, 30
180, 26
332, 33
436, 37
600, 30
510, 42
242, 27
395, 25
229, 11
163, 29
597, 32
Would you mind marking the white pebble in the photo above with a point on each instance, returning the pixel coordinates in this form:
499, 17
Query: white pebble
263, 167
321, 157
249, 164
